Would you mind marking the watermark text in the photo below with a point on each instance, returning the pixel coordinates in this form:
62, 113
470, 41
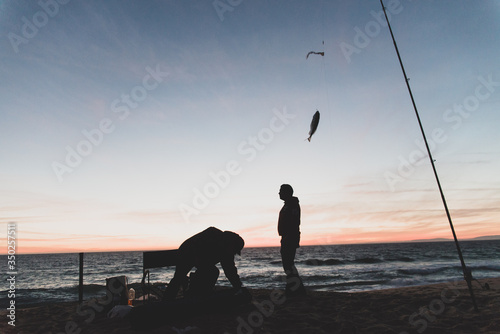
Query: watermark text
11, 272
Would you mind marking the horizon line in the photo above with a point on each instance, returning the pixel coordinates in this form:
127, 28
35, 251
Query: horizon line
480, 238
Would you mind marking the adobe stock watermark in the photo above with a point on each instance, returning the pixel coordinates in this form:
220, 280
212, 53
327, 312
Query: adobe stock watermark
31, 26
93, 307
222, 6
455, 116
428, 314
121, 108
265, 308
363, 36
11, 272
249, 150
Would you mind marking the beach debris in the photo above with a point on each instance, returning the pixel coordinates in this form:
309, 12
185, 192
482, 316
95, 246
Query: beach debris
314, 124
120, 311
315, 53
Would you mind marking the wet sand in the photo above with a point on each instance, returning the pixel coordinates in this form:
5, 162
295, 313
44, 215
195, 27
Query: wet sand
437, 308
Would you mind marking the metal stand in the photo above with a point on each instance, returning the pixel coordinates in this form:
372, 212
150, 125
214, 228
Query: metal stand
80, 285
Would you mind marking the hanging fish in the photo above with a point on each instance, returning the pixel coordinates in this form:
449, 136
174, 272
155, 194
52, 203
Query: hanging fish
314, 124
315, 53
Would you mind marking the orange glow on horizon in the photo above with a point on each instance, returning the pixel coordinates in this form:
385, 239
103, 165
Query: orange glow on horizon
125, 246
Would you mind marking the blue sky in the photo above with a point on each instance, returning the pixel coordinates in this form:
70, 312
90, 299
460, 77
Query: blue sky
165, 100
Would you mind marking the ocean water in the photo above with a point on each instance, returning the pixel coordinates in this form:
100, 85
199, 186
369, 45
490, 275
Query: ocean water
43, 278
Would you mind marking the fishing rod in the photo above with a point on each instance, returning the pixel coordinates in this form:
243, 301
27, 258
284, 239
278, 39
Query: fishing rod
467, 273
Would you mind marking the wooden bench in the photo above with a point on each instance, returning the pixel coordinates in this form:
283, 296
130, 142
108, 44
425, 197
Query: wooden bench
156, 259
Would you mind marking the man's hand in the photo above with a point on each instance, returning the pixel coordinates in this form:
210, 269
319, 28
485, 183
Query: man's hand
242, 292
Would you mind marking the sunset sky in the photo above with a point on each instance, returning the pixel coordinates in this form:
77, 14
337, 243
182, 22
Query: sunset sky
132, 125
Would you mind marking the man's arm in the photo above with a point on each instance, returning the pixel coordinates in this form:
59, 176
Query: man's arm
231, 272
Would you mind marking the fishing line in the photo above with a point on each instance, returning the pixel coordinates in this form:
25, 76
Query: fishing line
325, 83
323, 69
323, 25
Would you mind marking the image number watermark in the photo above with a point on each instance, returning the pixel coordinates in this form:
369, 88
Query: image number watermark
11, 272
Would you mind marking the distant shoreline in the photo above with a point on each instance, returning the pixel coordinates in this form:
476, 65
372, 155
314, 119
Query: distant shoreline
482, 238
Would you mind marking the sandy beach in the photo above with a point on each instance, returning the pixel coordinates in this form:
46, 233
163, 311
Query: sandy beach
438, 308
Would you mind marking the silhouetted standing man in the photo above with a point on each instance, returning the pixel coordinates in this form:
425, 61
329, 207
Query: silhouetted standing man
288, 229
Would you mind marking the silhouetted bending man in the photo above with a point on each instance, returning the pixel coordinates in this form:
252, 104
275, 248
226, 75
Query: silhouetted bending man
203, 251
288, 229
